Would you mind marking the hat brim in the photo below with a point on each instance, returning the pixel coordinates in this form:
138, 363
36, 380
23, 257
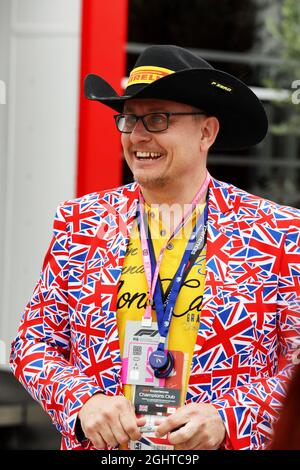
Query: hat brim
243, 120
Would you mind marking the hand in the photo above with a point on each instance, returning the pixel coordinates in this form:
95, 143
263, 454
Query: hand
109, 420
200, 427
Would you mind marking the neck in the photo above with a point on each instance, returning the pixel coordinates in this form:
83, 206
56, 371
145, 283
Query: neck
179, 195
174, 205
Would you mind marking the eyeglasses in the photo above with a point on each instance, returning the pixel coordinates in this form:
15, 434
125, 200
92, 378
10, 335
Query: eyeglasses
153, 122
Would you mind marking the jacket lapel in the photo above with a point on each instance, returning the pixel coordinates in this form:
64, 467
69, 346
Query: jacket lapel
116, 222
219, 245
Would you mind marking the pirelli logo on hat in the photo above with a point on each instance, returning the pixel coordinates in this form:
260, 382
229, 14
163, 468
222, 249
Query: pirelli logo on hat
147, 74
221, 86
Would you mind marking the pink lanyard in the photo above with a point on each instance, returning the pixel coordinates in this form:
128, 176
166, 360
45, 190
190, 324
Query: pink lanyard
146, 321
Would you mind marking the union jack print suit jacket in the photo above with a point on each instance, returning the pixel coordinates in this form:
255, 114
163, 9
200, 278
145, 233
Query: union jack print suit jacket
67, 348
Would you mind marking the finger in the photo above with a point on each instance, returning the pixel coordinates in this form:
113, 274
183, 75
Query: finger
186, 435
108, 435
129, 425
97, 441
141, 421
207, 442
173, 422
120, 432
198, 441
190, 444
159, 420
207, 445
91, 433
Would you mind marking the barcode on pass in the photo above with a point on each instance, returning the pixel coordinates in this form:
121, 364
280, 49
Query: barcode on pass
137, 350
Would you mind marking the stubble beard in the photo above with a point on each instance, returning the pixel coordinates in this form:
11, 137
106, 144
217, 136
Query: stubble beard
158, 182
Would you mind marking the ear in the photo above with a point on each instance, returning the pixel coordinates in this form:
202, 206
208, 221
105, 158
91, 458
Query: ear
210, 127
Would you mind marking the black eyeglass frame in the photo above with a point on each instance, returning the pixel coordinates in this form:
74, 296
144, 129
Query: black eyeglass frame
142, 116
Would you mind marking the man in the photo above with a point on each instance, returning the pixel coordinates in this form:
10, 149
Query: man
207, 272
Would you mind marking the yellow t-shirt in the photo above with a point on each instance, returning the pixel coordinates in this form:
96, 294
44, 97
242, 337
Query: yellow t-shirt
132, 294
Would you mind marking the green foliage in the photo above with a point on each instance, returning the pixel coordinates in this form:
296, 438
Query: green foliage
290, 30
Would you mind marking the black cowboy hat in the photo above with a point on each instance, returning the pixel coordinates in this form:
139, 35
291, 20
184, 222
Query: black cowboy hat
172, 73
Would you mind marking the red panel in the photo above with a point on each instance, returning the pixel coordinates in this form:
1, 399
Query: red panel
103, 42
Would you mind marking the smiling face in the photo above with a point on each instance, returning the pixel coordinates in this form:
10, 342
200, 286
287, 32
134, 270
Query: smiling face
172, 159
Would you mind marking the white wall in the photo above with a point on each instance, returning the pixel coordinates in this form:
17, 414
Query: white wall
39, 61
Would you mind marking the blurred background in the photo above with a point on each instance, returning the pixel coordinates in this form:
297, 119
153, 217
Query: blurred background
54, 145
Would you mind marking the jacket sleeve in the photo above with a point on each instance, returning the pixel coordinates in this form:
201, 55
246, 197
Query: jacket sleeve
40, 354
249, 411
